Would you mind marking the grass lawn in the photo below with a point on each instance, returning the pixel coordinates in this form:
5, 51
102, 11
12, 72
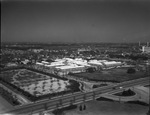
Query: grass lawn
116, 74
37, 85
34, 83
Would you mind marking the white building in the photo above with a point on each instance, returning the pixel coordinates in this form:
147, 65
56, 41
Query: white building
97, 64
38, 63
145, 49
102, 64
55, 64
111, 64
45, 62
63, 70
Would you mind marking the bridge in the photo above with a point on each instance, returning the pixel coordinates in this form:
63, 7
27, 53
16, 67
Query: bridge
75, 98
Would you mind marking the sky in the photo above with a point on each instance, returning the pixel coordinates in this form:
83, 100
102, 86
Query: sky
75, 21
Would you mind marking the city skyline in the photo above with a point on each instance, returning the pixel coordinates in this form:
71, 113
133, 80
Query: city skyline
75, 21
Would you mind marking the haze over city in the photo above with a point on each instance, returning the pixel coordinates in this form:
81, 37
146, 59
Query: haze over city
75, 57
75, 21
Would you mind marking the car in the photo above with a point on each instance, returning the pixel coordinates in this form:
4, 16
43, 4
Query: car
116, 87
120, 87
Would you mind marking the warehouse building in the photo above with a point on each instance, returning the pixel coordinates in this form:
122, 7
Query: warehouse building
63, 70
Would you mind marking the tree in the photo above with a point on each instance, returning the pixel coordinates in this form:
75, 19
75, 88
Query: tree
84, 107
91, 69
80, 108
129, 92
131, 70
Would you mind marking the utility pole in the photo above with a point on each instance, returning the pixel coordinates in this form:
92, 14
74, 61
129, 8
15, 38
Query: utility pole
60, 101
119, 99
31, 112
139, 43
84, 97
74, 99
45, 106
94, 95
148, 113
148, 74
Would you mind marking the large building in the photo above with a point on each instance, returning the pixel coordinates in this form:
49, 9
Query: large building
68, 65
104, 64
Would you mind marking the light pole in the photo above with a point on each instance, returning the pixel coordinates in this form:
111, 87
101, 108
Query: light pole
133, 88
148, 113
93, 95
119, 99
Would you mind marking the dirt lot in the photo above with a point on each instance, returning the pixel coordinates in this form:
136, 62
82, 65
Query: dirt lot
109, 108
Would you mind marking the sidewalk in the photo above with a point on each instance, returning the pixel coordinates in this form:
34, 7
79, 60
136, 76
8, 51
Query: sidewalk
4, 105
143, 92
121, 98
21, 98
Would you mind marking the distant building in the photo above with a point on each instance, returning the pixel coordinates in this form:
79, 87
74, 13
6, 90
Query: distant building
104, 64
97, 64
112, 64
145, 49
11, 64
25, 61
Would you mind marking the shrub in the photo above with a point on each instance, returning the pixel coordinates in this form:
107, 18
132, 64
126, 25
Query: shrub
91, 69
131, 70
138, 102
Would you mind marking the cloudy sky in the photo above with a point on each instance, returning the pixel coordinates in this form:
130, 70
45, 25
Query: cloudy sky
75, 21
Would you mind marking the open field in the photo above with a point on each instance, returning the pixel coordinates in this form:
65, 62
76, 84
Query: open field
36, 84
112, 75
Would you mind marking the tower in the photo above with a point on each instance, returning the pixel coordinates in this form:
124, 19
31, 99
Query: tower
147, 44
139, 43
